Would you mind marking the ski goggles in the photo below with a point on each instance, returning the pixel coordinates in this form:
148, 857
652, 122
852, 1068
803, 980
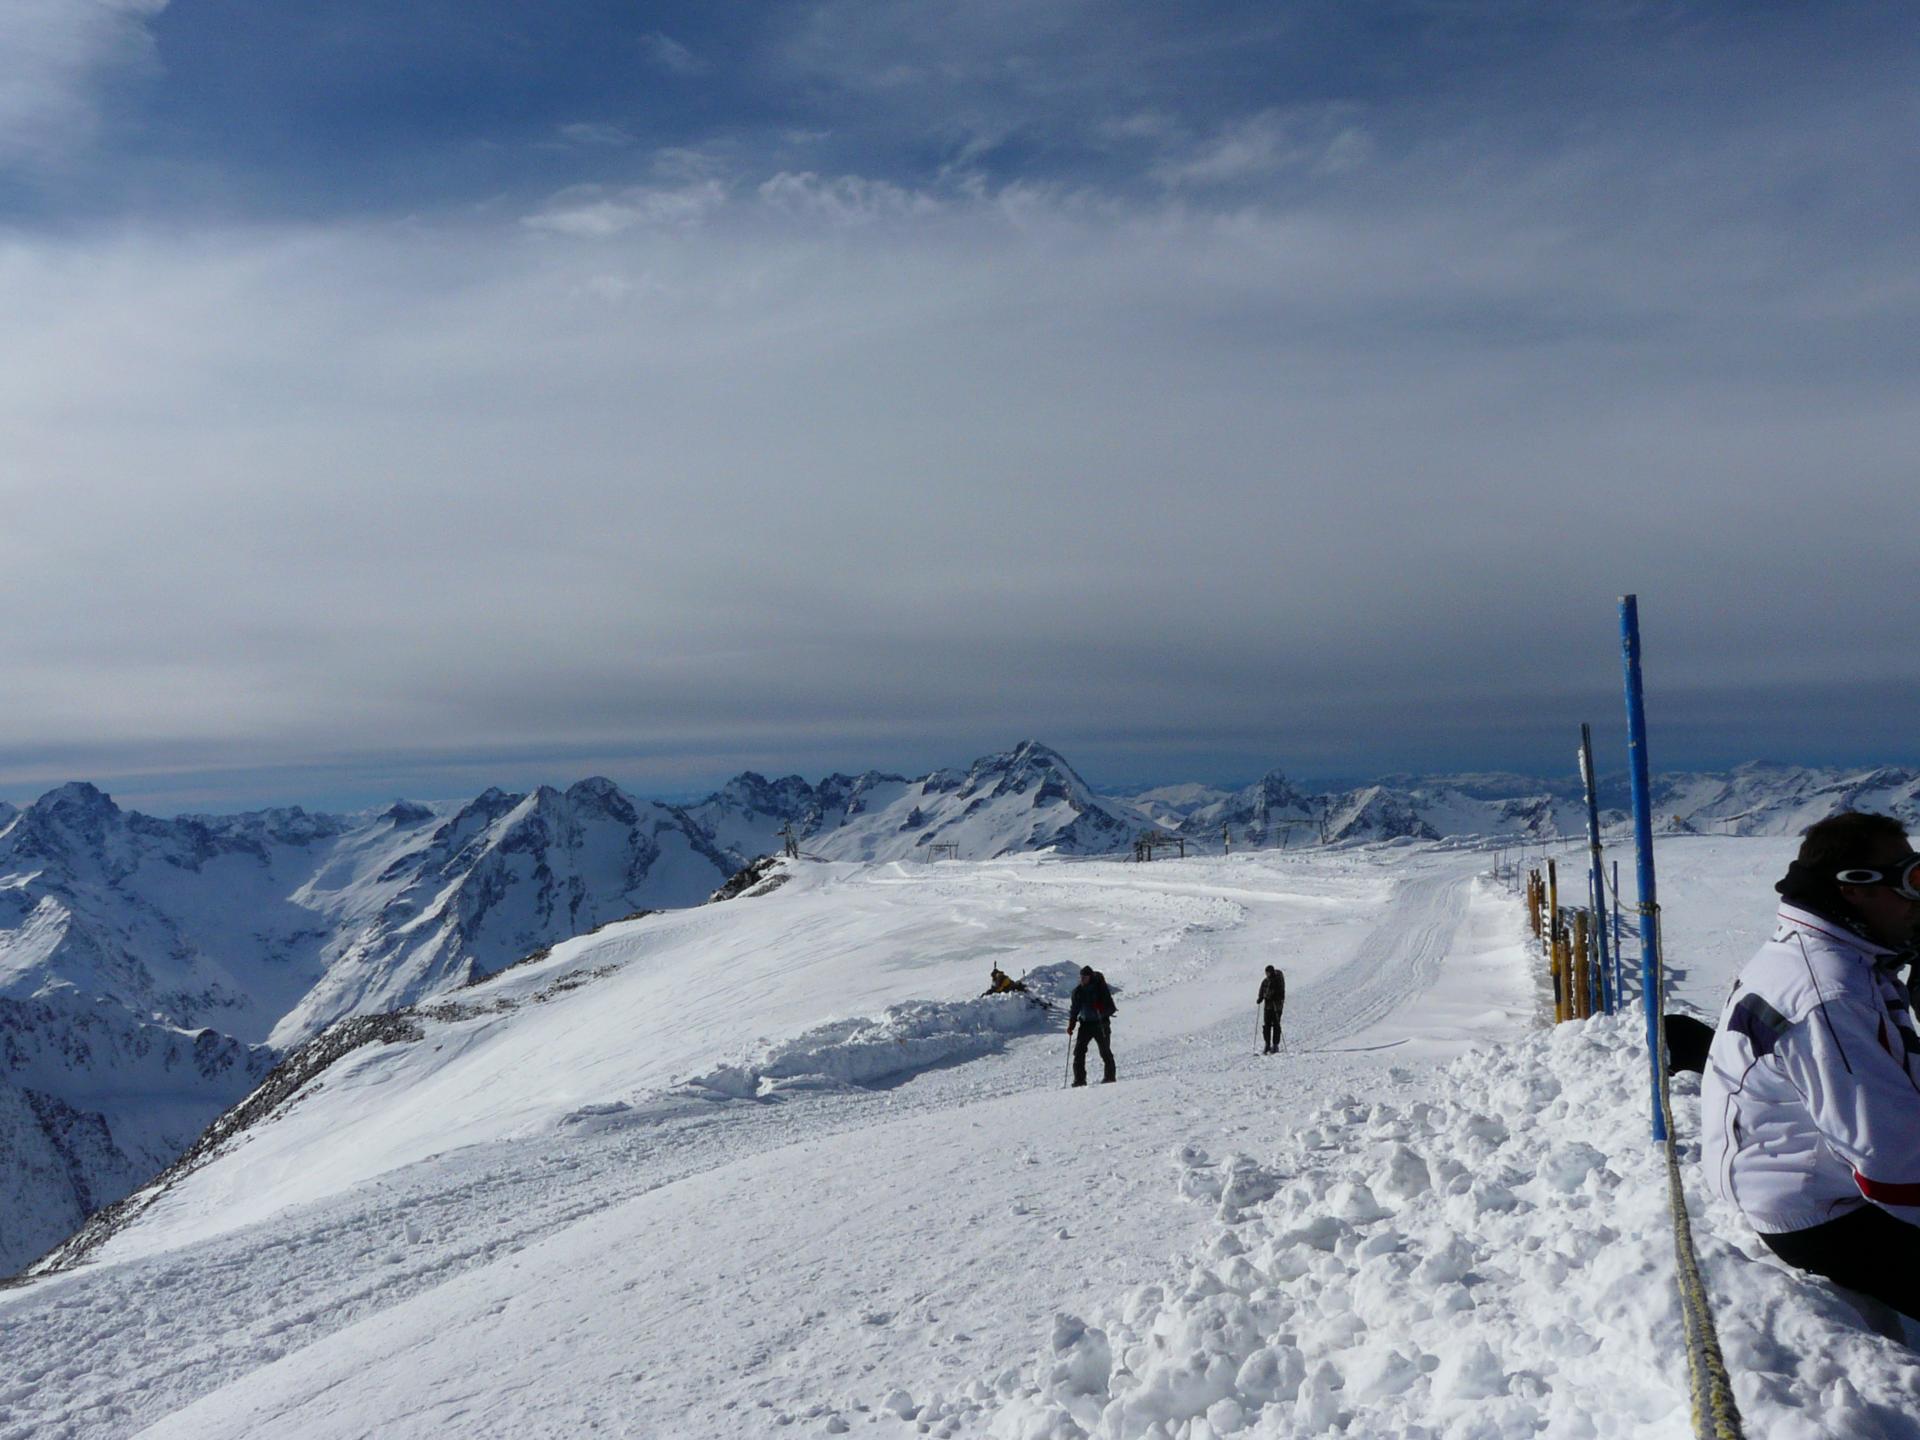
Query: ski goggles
1902, 877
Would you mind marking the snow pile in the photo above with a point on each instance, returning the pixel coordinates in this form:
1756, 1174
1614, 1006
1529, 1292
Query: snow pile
1492, 1258
904, 1040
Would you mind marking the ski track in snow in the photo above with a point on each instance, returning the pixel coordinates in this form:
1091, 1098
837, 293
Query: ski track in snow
799, 1265
1399, 959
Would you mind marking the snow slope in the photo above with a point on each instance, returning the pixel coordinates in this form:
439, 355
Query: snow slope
686, 1193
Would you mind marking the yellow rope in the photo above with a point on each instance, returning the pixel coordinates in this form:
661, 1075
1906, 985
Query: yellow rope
1715, 1415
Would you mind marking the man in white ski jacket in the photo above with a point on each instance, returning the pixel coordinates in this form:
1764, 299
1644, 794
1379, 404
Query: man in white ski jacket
1810, 1102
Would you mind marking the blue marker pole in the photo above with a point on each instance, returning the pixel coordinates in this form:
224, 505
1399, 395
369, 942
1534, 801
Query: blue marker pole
1650, 981
1609, 996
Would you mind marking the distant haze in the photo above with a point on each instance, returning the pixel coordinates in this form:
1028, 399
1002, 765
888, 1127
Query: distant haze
403, 400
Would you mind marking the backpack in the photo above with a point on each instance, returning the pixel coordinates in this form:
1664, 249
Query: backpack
1103, 1005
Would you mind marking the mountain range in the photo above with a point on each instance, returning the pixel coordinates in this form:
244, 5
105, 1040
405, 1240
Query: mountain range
152, 971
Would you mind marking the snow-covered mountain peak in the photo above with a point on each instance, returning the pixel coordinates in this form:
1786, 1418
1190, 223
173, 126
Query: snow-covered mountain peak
1027, 798
78, 835
253, 831
1377, 813
851, 795
492, 802
562, 812
789, 798
1276, 789
942, 780
76, 797
1267, 812
1028, 765
599, 793
476, 817
70, 814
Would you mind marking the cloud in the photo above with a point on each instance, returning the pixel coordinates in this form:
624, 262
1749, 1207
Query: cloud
593, 212
54, 57
845, 199
1357, 479
1256, 147
670, 55
1179, 423
587, 133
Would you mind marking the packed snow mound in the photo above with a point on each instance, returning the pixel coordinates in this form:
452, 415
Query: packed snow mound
1496, 1262
901, 1042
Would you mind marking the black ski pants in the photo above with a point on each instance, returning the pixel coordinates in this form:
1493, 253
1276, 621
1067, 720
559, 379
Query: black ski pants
1270, 1025
1865, 1250
1093, 1032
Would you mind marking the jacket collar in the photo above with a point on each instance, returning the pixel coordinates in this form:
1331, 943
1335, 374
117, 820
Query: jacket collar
1792, 917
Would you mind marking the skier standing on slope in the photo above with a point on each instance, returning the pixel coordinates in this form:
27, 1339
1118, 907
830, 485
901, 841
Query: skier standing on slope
1810, 1102
1092, 1010
1272, 1000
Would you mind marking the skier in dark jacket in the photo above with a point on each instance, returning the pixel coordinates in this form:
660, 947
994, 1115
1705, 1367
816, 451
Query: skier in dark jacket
1272, 1000
1091, 1009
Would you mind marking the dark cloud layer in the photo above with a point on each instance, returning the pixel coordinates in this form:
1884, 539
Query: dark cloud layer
1190, 420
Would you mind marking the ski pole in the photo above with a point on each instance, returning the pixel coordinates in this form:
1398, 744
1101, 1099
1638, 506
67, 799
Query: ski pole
1067, 1079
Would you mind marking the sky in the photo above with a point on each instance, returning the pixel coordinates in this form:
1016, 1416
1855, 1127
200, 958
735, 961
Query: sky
404, 398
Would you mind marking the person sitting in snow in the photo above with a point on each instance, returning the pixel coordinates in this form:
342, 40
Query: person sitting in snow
1271, 1000
1002, 983
1092, 1010
1810, 1101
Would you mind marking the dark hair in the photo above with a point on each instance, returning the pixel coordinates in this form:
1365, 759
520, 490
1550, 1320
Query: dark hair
1836, 843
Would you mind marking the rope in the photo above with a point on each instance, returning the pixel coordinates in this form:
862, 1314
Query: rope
1715, 1414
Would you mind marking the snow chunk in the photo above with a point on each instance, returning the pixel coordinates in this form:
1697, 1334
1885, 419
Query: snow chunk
1472, 1373
876, 1050
1517, 1280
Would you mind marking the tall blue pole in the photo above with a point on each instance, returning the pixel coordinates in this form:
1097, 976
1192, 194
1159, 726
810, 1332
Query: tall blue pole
1650, 986
1608, 998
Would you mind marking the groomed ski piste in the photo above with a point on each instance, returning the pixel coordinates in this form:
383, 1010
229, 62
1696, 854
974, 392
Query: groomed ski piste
771, 1167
